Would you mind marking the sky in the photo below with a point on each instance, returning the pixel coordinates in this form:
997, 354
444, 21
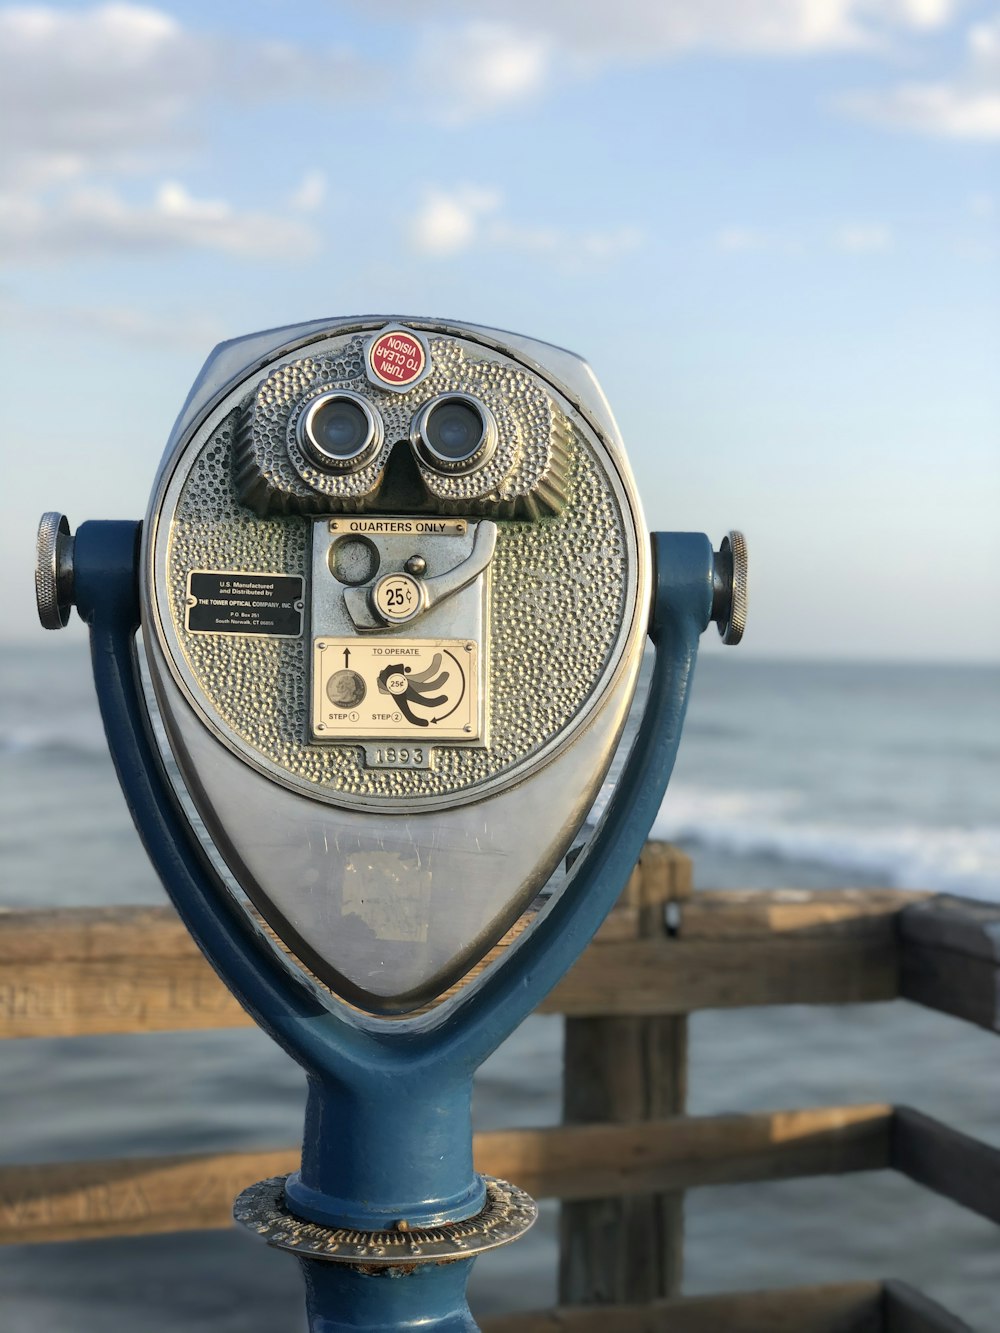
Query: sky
771, 226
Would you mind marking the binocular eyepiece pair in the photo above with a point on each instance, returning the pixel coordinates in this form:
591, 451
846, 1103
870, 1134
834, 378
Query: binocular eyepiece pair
402, 421
340, 432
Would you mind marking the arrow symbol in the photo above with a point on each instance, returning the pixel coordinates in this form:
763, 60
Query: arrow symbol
347, 656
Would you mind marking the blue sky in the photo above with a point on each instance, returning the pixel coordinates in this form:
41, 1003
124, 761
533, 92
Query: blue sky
772, 227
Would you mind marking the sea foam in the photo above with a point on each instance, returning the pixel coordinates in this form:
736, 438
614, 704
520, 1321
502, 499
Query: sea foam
943, 859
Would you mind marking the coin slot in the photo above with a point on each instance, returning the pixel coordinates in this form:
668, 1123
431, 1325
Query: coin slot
353, 560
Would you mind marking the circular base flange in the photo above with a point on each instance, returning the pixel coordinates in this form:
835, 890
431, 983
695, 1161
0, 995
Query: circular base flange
508, 1214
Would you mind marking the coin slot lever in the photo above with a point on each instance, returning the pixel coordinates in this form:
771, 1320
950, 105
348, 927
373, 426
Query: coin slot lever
383, 603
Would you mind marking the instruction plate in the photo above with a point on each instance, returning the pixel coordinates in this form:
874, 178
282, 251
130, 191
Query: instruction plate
416, 690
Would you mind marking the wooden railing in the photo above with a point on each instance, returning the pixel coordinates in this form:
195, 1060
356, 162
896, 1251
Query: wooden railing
625, 1152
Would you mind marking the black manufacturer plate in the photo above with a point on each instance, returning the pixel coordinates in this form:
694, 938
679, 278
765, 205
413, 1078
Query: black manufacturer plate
236, 603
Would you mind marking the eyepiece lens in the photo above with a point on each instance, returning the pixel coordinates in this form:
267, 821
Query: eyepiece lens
340, 428
454, 434
339, 432
454, 430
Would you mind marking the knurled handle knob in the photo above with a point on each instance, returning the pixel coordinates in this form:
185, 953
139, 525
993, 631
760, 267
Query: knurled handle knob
729, 601
54, 571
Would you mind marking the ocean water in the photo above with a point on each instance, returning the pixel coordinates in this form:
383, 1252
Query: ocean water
808, 775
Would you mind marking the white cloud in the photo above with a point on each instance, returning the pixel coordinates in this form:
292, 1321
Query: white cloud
862, 238
738, 239
91, 96
193, 331
939, 109
311, 192
964, 107
118, 86
664, 27
79, 91
981, 204
470, 216
514, 49
478, 67
574, 247
851, 238
611, 244
86, 220
917, 13
450, 221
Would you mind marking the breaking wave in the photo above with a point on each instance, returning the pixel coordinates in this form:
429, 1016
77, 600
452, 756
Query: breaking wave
942, 859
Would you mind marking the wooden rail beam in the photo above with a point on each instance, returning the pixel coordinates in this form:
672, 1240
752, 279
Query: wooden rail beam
910, 1311
136, 1196
746, 947
950, 958
679, 976
850, 1308
90, 971
859, 1307
945, 1160
603, 1160
750, 914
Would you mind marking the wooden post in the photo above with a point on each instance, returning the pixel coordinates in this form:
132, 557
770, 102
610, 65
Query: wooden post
619, 1070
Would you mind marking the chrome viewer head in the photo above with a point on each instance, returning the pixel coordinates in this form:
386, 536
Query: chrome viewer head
395, 591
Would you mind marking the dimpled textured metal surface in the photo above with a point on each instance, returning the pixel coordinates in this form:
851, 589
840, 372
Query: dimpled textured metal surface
274, 475
558, 602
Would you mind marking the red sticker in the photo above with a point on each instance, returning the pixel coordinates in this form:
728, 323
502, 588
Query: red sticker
397, 358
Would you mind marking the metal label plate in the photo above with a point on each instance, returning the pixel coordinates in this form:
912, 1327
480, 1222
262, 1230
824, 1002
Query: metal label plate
231, 602
415, 690
405, 525
387, 754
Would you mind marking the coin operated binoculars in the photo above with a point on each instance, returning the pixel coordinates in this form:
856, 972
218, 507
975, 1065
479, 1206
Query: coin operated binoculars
393, 591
